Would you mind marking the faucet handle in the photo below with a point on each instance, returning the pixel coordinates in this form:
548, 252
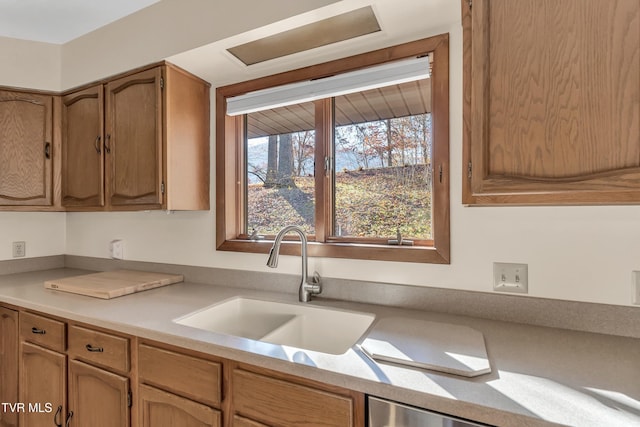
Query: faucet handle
315, 287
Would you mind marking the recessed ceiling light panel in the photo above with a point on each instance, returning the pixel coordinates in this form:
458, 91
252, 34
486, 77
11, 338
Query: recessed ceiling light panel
346, 26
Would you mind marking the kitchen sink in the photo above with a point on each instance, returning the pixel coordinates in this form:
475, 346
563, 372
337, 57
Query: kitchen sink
303, 326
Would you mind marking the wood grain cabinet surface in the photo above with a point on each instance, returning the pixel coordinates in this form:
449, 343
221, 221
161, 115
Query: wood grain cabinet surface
140, 141
8, 364
82, 150
270, 399
192, 377
162, 409
147, 384
26, 149
97, 398
79, 393
43, 380
551, 101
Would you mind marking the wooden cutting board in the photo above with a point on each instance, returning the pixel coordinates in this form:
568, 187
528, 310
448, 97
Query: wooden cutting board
112, 284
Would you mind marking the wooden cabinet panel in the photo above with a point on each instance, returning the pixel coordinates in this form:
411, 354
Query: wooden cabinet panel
42, 331
43, 381
148, 148
82, 148
188, 376
26, 149
552, 101
287, 404
99, 348
239, 421
188, 135
133, 142
161, 409
97, 398
8, 364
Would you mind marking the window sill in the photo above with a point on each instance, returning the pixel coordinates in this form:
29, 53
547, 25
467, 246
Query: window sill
420, 254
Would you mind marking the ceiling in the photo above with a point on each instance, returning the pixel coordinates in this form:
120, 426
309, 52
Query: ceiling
59, 21
389, 102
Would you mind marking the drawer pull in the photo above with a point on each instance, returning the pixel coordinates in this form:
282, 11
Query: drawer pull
93, 349
69, 416
56, 417
35, 330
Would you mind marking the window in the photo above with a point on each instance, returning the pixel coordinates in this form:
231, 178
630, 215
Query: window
364, 170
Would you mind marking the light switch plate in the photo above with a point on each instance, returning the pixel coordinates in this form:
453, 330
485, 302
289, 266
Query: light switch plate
510, 277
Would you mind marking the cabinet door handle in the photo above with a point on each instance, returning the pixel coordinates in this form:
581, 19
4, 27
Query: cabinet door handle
93, 349
97, 144
47, 150
56, 418
107, 149
35, 330
69, 415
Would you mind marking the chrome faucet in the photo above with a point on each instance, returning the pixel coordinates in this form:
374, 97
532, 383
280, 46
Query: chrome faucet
306, 289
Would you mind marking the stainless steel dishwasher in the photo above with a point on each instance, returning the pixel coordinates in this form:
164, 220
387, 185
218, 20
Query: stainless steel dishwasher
384, 413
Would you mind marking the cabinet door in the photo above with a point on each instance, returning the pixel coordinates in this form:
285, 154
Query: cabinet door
552, 101
25, 149
8, 364
97, 398
82, 150
134, 141
43, 386
161, 409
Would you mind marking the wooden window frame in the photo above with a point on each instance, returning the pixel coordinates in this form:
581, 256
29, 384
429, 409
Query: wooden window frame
230, 179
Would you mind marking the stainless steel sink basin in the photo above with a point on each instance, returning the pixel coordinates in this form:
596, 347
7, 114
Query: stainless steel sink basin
303, 326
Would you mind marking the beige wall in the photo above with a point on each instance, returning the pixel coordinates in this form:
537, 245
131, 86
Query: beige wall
29, 64
169, 27
574, 253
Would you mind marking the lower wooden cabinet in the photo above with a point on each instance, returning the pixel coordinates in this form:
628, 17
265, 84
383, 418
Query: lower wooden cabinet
97, 398
275, 399
8, 364
162, 409
43, 382
77, 376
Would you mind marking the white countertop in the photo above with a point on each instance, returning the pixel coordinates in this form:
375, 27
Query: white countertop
540, 376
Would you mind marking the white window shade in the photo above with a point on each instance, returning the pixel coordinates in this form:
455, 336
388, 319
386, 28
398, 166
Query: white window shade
356, 81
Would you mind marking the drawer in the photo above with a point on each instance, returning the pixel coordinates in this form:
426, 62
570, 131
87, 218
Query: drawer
99, 348
287, 404
42, 331
192, 377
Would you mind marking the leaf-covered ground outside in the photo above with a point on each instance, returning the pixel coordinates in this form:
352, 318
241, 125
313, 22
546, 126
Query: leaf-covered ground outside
369, 203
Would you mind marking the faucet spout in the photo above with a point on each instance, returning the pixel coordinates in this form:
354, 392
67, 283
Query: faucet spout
306, 289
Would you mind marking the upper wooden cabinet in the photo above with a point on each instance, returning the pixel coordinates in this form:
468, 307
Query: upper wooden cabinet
26, 149
133, 141
148, 149
82, 152
551, 101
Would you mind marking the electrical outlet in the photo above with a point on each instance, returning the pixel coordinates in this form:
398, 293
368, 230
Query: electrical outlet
635, 285
116, 249
509, 277
19, 249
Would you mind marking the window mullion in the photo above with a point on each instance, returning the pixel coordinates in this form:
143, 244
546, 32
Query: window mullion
323, 177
